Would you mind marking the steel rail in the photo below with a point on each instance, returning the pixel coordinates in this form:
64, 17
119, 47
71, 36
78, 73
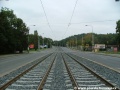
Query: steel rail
75, 85
107, 83
4, 86
40, 87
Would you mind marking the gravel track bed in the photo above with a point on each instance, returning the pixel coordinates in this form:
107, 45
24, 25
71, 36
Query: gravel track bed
33, 77
83, 77
108, 74
13, 74
58, 78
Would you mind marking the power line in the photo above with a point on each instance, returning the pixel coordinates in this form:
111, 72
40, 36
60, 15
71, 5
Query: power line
71, 18
46, 17
73, 13
81, 22
95, 21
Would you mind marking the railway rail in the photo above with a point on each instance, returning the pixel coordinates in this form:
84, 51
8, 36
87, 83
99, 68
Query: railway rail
83, 77
58, 78
30, 78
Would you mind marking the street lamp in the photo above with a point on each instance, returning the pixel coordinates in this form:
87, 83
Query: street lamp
28, 37
92, 36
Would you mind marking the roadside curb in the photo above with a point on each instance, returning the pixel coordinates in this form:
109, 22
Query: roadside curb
112, 55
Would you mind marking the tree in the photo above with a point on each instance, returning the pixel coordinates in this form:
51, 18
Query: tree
13, 32
118, 31
85, 39
31, 39
21, 35
6, 36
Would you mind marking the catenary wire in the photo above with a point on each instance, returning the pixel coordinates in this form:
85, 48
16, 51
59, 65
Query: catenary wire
47, 18
83, 22
70, 19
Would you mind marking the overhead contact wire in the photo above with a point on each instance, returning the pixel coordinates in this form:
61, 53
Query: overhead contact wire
46, 17
71, 17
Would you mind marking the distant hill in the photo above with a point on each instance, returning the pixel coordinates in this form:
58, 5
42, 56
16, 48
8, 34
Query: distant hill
86, 39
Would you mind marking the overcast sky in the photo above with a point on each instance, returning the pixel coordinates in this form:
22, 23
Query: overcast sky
100, 14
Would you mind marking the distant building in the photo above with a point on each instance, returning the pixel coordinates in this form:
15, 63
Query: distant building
99, 46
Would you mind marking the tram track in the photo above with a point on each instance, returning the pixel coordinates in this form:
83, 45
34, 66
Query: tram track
83, 77
40, 87
28, 76
58, 78
111, 75
74, 76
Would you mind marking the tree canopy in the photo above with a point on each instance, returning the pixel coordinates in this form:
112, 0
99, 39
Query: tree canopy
35, 39
13, 32
118, 31
86, 39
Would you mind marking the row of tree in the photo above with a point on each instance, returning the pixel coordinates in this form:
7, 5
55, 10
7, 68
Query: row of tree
86, 39
13, 32
118, 31
36, 40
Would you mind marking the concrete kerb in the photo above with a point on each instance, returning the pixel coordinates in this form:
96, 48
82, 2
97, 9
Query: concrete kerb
113, 55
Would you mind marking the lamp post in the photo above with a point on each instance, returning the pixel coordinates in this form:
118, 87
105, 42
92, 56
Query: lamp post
38, 43
28, 38
76, 41
82, 43
43, 40
82, 39
49, 43
92, 36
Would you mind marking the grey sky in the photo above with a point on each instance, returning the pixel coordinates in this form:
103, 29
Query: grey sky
101, 14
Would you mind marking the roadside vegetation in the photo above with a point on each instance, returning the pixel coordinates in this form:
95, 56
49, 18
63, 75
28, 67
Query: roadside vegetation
118, 31
85, 39
14, 34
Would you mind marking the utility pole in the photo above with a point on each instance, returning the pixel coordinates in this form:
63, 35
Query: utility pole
43, 40
92, 37
28, 38
38, 43
76, 41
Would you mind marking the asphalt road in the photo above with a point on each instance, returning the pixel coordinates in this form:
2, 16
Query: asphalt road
109, 61
12, 62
